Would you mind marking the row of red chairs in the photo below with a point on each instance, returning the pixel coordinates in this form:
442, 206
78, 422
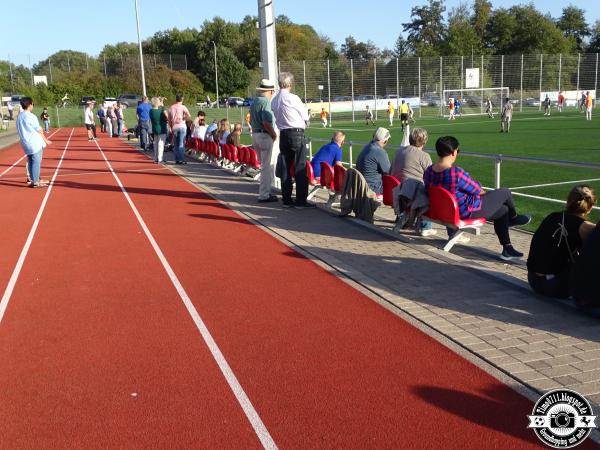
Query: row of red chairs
246, 156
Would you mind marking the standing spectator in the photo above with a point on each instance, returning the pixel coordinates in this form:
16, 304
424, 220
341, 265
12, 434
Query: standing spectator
496, 205
200, 126
373, 161
33, 141
264, 137
111, 122
561, 101
330, 153
142, 113
588, 106
178, 114
102, 117
45, 119
89, 120
369, 116
234, 137
11, 108
506, 116
323, 115
557, 242
160, 128
404, 114
390, 111
410, 163
546, 104
118, 110
291, 117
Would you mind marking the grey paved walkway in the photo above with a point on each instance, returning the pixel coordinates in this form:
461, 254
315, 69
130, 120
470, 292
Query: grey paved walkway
470, 297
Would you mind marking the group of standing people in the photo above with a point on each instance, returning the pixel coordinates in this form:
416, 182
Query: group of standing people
111, 119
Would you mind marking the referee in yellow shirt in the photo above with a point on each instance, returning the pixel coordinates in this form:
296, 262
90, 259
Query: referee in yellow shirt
404, 114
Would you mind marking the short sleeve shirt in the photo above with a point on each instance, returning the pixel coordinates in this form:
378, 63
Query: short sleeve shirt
373, 162
143, 111
261, 112
28, 128
176, 115
329, 153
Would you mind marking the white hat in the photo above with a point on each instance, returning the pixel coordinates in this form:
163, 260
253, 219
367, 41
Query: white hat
266, 85
381, 134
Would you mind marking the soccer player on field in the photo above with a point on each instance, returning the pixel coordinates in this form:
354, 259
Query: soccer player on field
588, 106
404, 114
323, 115
369, 116
489, 108
561, 101
546, 104
506, 117
451, 107
411, 114
390, 111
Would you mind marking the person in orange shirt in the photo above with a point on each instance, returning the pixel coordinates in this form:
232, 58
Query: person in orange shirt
323, 115
561, 101
588, 106
451, 108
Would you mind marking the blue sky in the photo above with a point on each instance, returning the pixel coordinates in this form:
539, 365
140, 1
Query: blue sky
68, 24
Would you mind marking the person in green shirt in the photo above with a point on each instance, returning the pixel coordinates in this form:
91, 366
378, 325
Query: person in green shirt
160, 127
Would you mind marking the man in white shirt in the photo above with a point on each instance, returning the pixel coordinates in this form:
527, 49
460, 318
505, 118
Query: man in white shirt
291, 117
89, 120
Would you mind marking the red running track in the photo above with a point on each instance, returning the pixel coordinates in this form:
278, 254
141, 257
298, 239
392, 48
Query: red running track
98, 349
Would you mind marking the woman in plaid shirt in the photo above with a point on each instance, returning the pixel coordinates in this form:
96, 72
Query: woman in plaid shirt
473, 201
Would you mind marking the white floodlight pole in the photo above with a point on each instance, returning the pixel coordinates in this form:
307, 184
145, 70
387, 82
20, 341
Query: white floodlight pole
268, 44
216, 73
137, 21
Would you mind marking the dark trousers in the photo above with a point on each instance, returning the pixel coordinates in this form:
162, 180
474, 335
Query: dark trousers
557, 287
498, 206
145, 128
102, 124
293, 149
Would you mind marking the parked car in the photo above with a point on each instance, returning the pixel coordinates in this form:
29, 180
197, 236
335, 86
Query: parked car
129, 100
235, 101
248, 101
531, 102
15, 100
342, 98
109, 102
86, 99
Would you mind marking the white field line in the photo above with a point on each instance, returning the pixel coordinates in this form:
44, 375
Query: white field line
23, 157
96, 172
546, 199
554, 184
17, 270
255, 420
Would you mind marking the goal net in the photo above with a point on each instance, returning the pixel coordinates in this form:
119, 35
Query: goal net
473, 101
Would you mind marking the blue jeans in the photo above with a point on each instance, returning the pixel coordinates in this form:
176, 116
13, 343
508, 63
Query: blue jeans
426, 225
46, 125
178, 138
120, 127
34, 163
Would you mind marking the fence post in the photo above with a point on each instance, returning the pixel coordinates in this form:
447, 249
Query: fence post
12, 83
30, 70
501, 81
154, 57
420, 108
104, 60
578, 63
57, 116
310, 155
329, 94
541, 66
350, 154
521, 102
171, 65
375, 84
559, 69
441, 89
304, 71
352, 86
122, 63
50, 67
185, 57
497, 172
462, 70
397, 90
68, 63
596, 81
87, 65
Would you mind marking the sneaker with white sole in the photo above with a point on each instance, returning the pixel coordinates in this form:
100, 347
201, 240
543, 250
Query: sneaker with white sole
509, 252
519, 220
428, 232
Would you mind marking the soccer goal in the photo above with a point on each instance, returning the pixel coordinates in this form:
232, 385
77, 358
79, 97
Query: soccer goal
473, 101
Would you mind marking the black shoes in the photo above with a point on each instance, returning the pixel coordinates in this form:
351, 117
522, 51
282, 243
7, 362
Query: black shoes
305, 205
519, 220
270, 199
509, 252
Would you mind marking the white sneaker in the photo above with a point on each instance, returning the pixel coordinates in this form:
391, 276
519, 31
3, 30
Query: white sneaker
463, 239
428, 232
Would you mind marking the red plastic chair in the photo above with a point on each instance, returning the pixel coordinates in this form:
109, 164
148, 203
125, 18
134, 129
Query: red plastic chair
327, 176
339, 174
254, 159
389, 183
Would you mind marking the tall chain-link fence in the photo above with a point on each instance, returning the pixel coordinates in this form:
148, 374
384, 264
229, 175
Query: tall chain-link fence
344, 88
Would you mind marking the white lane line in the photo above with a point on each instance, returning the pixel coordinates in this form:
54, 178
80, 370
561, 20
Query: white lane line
555, 184
259, 427
23, 157
17, 270
97, 172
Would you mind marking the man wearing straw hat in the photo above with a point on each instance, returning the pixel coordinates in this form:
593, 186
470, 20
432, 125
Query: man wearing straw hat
262, 123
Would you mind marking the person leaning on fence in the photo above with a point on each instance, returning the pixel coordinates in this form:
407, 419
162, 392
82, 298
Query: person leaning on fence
159, 121
330, 153
506, 116
373, 161
496, 205
291, 117
557, 242
264, 137
33, 141
410, 163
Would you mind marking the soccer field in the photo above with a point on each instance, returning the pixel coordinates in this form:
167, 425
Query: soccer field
565, 136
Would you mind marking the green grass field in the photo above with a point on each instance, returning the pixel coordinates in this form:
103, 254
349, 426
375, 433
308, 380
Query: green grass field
566, 136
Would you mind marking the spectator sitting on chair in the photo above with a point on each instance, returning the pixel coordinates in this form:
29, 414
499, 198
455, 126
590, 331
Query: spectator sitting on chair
557, 242
373, 161
410, 163
496, 205
200, 126
221, 133
330, 153
234, 137
208, 136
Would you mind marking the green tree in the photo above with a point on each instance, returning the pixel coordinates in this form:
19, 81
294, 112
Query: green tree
426, 31
594, 45
402, 48
462, 39
482, 10
233, 75
352, 49
572, 23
